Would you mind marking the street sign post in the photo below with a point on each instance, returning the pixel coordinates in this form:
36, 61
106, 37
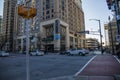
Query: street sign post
27, 12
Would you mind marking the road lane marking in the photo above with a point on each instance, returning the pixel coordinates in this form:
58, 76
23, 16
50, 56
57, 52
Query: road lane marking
70, 77
76, 74
117, 59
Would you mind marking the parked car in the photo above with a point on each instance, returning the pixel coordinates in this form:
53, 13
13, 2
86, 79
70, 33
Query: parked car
76, 52
86, 51
37, 53
4, 53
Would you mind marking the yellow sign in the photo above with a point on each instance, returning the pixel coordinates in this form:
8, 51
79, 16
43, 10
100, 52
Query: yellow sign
27, 12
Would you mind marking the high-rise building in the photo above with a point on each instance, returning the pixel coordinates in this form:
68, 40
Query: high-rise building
55, 26
0, 32
8, 23
112, 33
0, 24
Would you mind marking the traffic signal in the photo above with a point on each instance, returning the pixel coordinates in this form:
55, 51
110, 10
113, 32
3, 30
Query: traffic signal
109, 3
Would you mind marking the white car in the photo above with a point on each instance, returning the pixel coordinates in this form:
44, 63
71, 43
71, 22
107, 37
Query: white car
37, 53
4, 53
76, 52
86, 51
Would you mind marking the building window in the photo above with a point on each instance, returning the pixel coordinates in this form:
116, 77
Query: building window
52, 4
52, 15
52, 10
63, 5
43, 18
47, 4
43, 13
47, 12
47, 17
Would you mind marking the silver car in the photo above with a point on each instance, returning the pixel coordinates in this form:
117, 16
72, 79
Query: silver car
37, 53
76, 52
4, 53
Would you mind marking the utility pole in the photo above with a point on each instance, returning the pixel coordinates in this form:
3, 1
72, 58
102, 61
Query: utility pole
100, 34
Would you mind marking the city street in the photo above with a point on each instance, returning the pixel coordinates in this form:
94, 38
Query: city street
41, 67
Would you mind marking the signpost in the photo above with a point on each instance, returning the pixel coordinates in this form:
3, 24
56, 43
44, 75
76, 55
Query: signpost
27, 12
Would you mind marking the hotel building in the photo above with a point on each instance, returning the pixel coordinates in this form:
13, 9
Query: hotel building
55, 26
8, 24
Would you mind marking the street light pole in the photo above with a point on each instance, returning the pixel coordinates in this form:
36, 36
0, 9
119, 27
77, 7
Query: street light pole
100, 33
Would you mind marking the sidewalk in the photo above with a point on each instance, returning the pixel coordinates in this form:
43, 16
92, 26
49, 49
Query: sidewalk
102, 67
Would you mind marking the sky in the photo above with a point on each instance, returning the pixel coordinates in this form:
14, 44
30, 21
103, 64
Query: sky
93, 9
1, 7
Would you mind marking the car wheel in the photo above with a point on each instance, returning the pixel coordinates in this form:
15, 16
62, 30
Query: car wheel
69, 54
83, 54
80, 53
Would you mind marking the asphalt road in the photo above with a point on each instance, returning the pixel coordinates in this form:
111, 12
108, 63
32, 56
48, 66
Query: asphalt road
41, 67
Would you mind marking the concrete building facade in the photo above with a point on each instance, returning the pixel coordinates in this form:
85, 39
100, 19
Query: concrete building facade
91, 43
114, 33
55, 27
0, 24
1, 32
8, 24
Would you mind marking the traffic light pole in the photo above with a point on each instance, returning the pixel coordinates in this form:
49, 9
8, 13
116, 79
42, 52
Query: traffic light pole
100, 34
